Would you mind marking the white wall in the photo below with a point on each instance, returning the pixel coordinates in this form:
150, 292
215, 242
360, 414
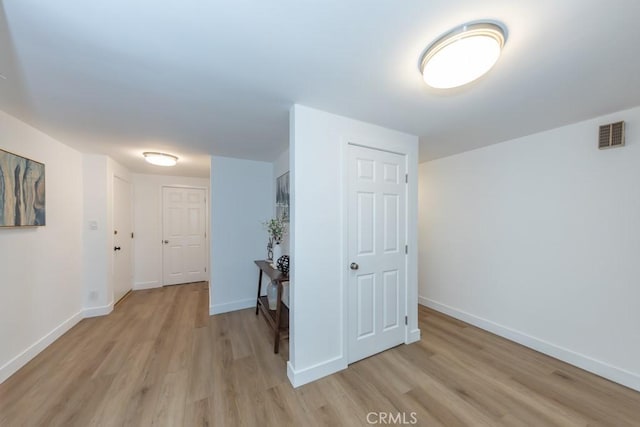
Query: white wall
538, 239
241, 199
318, 265
41, 267
280, 167
96, 240
147, 224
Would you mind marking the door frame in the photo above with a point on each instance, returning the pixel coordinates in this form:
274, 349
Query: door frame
207, 239
410, 153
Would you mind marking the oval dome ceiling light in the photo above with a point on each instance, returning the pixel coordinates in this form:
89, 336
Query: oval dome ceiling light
462, 55
160, 159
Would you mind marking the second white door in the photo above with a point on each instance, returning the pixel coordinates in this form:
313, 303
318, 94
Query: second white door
184, 235
376, 249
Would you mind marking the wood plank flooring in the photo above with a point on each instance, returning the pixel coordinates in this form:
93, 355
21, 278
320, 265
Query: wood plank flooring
159, 359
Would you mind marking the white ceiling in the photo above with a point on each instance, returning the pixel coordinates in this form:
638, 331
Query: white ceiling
197, 77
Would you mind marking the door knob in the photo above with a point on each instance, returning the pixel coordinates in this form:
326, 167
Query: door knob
117, 248
354, 266
165, 241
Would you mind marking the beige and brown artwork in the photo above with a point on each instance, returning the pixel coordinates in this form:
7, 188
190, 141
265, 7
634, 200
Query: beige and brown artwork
22, 191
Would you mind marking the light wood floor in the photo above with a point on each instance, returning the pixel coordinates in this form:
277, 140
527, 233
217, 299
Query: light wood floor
159, 359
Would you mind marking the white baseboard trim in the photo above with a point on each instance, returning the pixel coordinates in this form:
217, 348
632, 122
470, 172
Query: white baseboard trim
97, 311
315, 372
12, 366
231, 306
138, 286
603, 369
413, 336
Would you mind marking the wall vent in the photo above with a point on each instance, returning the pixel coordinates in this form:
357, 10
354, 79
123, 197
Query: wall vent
611, 135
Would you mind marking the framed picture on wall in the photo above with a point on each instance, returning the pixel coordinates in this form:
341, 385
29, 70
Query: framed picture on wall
282, 197
22, 191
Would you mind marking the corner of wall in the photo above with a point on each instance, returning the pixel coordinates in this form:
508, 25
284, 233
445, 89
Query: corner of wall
104, 310
315, 372
232, 306
413, 335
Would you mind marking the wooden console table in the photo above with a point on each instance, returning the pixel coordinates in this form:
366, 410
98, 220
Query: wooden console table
278, 319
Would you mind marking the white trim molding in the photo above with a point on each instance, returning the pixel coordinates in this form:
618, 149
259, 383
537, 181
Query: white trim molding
104, 310
315, 372
13, 365
232, 306
605, 370
412, 336
138, 286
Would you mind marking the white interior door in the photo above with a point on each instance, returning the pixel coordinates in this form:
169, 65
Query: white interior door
122, 235
376, 248
184, 235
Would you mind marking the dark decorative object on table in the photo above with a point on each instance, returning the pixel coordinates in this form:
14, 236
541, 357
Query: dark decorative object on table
283, 264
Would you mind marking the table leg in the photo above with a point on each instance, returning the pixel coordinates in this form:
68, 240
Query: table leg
259, 290
276, 344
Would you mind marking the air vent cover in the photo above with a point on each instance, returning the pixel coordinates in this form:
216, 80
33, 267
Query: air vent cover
611, 135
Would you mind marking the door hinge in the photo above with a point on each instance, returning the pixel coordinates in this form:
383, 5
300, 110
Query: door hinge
406, 320
406, 249
205, 269
132, 234
406, 178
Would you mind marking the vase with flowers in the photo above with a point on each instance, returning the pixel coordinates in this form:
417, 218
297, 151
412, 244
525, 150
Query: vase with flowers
276, 229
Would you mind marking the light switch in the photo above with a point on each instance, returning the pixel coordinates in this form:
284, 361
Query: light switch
93, 225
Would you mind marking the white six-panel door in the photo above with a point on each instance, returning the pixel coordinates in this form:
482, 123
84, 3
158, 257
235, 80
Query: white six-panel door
184, 235
376, 250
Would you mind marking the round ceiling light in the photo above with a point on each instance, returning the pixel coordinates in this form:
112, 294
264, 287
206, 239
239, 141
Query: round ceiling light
160, 159
462, 55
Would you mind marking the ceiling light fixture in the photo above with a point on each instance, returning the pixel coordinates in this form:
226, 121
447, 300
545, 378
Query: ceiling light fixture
462, 55
160, 159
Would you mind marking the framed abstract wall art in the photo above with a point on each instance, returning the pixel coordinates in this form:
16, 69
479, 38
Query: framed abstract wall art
22, 191
282, 197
